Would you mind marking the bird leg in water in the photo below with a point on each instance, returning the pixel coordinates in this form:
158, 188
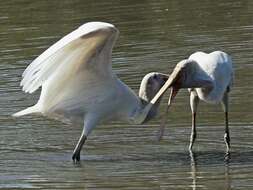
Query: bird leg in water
226, 135
224, 104
90, 122
76, 154
173, 94
194, 100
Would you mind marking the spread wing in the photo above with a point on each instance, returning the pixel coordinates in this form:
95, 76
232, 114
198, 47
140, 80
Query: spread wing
87, 48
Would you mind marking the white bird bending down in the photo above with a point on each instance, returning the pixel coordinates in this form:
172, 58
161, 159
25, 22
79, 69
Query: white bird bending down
78, 84
209, 78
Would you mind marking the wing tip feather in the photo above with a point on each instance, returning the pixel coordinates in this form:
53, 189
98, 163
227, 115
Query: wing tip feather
29, 85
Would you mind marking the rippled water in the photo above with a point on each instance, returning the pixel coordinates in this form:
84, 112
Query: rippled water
35, 153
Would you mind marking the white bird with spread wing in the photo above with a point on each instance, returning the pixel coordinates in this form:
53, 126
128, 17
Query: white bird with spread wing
209, 78
78, 83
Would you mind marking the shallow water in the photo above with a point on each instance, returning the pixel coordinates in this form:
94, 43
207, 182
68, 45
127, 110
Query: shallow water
35, 152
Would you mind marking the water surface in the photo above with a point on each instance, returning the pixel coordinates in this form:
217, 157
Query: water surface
35, 152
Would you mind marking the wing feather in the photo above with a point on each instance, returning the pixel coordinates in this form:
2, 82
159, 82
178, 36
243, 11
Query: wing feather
72, 53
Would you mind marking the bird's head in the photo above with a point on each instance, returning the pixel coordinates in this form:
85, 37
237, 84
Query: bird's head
151, 84
154, 85
186, 74
183, 75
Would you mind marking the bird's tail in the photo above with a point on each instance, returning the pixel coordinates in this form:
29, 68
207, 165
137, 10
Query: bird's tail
29, 110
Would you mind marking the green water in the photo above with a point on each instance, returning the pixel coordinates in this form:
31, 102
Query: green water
35, 152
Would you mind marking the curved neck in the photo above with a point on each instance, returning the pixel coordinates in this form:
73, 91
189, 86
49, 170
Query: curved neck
138, 110
153, 110
145, 112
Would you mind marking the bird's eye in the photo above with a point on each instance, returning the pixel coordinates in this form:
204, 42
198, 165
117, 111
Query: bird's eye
149, 83
155, 77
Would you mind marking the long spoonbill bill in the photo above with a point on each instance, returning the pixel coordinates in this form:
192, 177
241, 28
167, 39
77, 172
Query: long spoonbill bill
79, 86
209, 78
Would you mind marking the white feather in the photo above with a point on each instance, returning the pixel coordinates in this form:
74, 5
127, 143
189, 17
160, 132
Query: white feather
76, 71
78, 84
71, 47
216, 66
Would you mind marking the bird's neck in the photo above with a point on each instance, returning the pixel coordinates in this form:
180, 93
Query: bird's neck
144, 112
153, 111
137, 109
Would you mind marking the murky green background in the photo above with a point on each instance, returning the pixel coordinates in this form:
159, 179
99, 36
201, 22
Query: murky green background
35, 152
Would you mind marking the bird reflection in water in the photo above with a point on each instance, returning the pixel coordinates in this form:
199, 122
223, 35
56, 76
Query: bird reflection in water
194, 172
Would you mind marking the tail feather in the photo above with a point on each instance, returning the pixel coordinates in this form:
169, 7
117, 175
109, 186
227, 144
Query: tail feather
29, 110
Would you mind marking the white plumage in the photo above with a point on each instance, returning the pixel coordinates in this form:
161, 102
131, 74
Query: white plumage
217, 68
79, 86
209, 78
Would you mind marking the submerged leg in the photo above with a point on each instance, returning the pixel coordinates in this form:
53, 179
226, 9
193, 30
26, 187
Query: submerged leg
78, 148
89, 124
224, 104
194, 100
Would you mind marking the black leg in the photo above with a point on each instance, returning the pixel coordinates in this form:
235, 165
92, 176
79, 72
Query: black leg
224, 104
226, 135
76, 153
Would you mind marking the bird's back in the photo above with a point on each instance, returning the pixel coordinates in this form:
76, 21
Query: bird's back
216, 66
